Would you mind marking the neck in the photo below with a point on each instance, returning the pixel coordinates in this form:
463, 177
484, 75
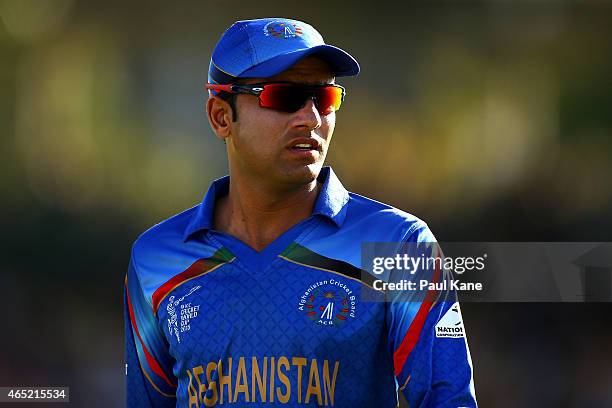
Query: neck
257, 214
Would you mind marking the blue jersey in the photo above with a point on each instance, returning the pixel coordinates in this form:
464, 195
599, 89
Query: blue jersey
212, 322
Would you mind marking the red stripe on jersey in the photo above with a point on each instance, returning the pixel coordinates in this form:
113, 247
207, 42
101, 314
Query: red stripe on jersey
199, 267
150, 359
414, 331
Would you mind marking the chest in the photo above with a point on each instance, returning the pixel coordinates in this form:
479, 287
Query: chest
292, 309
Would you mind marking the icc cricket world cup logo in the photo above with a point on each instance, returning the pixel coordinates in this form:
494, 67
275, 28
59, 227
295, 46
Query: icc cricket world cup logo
187, 312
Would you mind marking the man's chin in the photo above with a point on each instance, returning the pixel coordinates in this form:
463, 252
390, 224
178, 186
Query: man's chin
303, 174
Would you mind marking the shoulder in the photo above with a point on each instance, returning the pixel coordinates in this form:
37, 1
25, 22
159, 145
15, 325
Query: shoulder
366, 221
167, 233
383, 222
160, 253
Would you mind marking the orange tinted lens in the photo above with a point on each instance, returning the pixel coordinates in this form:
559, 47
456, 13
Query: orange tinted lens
283, 97
328, 99
291, 98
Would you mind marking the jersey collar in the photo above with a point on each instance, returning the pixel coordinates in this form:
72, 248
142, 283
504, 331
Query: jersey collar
331, 202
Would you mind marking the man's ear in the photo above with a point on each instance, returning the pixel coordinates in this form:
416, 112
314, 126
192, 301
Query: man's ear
219, 116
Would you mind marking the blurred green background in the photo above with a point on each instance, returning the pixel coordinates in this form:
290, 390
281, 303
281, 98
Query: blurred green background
490, 120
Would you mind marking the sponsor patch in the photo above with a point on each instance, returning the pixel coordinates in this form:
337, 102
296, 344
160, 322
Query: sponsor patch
451, 324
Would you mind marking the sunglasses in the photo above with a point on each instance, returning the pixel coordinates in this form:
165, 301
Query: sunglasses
289, 97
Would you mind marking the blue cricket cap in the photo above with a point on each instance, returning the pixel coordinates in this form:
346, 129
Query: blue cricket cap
264, 47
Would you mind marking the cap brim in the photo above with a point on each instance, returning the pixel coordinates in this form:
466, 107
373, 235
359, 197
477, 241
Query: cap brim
341, 62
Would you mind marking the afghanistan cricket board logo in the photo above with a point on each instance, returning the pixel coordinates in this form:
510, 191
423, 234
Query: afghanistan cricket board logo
328, 303
280, 29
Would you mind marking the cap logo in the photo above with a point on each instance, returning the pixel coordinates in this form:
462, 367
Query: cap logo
283, 30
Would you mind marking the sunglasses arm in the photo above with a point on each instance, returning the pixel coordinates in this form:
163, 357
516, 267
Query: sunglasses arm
216, 87
233, 88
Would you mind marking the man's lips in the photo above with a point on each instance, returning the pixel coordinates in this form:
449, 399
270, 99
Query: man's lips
305, 144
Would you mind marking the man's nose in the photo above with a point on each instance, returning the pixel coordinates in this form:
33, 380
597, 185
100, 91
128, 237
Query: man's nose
309, 115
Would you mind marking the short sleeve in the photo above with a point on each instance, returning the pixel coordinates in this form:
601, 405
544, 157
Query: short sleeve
149, 378
432, 362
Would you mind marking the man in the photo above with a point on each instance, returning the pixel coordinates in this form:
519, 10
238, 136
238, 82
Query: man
254, 296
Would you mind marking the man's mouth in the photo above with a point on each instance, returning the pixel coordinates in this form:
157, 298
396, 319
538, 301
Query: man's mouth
305, 144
